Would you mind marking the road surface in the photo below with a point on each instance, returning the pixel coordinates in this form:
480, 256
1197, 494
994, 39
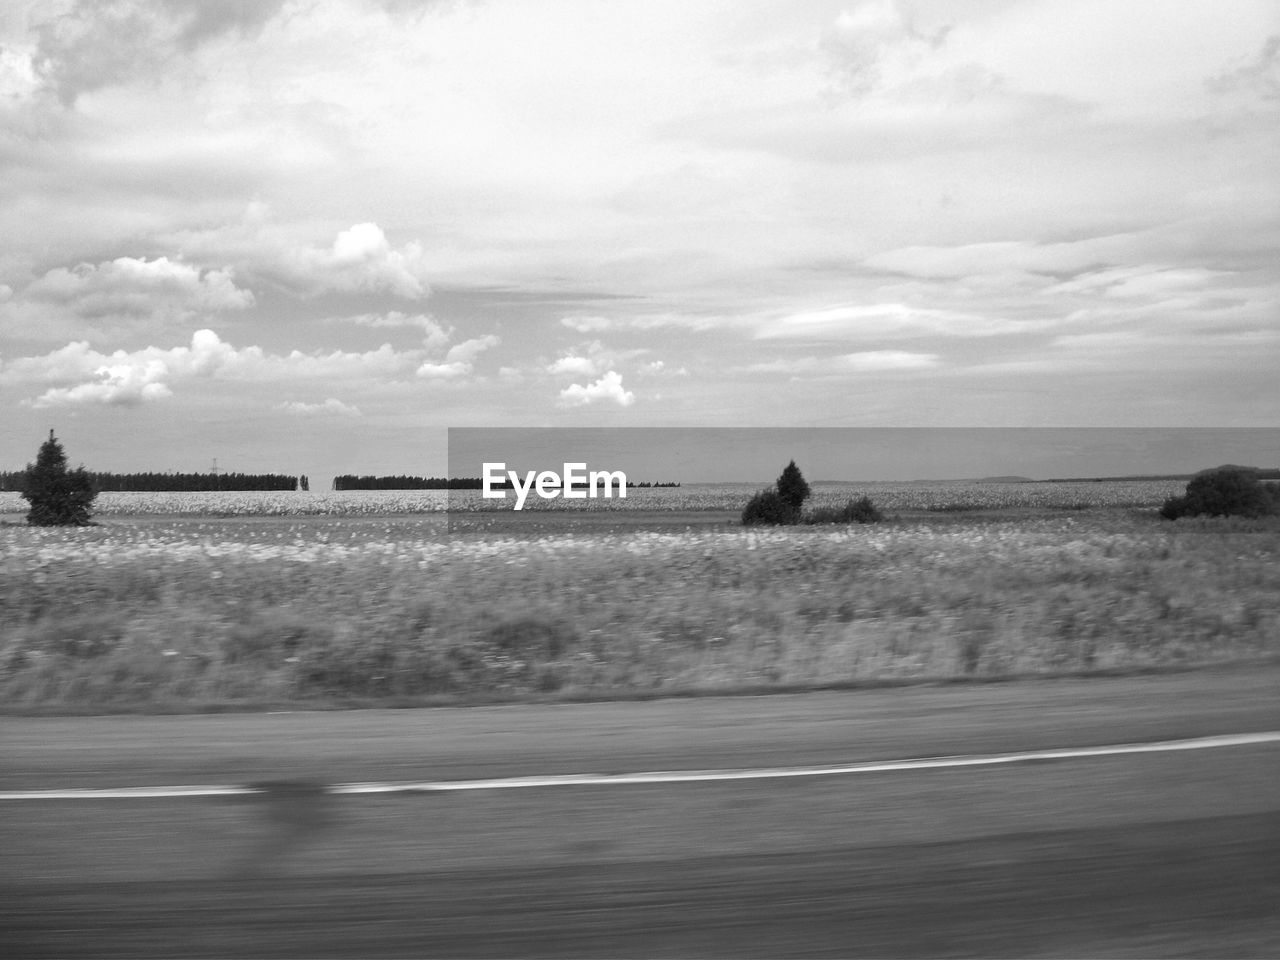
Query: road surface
1152, 854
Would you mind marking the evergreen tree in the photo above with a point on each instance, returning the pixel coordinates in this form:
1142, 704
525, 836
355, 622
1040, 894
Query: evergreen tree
58, 497
792, 486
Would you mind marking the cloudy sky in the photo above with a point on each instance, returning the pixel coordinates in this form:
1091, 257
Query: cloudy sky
307, 236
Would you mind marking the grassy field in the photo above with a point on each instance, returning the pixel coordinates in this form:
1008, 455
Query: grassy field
211, 604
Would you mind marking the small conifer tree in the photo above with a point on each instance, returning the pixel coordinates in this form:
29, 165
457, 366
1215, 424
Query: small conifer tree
58, 496
792, 486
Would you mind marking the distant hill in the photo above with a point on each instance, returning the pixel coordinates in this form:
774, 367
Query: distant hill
1004, 480
1264, 473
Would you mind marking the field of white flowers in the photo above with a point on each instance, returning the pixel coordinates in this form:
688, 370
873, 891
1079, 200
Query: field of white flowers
178, 609
889, 496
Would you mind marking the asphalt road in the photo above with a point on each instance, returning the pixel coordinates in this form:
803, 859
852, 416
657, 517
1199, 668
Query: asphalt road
1168, 854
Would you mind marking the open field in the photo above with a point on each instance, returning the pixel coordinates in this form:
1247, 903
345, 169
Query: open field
697, 497
150, 610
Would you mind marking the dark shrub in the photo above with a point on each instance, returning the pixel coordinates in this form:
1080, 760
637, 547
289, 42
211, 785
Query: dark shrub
769, 507
58, 497
1227, 491
531, 637
861, 510
792, 486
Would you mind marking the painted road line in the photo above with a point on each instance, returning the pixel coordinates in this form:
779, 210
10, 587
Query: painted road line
663, 776
132, 793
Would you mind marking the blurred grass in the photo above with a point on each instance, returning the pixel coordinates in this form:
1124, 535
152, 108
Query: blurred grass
187, 614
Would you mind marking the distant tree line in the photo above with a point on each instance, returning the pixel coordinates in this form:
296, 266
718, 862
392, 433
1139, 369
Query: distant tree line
350, 482
172, 482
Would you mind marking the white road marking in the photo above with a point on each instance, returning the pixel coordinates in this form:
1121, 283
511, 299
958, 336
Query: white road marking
661, 776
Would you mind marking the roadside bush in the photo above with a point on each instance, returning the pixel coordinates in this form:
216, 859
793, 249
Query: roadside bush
769, 507
861, 510
780, 505
59, 497
1226, 491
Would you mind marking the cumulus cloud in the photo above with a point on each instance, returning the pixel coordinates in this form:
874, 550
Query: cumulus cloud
331, 406
459, 361
117, 384
608, 389
443, 371
131, 292
467, 351
360, 259
85, 375
573, 365
590, 358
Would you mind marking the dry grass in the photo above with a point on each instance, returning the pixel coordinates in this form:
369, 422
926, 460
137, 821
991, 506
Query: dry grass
148, 613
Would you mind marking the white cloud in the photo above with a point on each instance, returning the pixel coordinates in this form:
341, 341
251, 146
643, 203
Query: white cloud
573, 365
649, 321
360, 259
590, 358
973, 259
588, 324
118, 384
130, 291
330, 406
443, 371
867, 361
86, 375
467, 351
607, 389
434, 336
878, 320
459, 361
1147, 282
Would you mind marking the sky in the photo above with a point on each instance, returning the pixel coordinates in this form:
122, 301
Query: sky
309, 236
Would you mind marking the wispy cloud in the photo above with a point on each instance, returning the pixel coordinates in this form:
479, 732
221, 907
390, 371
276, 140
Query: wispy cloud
866, 361
329, 407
